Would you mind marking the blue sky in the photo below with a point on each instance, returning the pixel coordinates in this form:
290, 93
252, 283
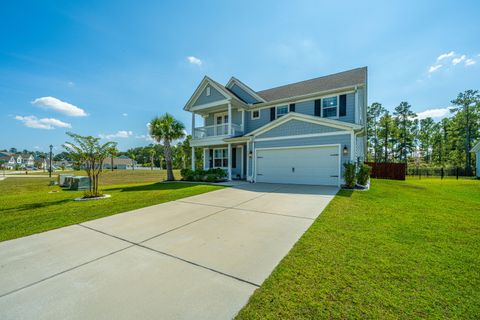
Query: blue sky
107, 67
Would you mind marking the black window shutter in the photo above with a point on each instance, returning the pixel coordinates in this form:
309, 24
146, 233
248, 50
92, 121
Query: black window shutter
318, 111
210, 162
272, 113
343, 105
234, 158
292, 107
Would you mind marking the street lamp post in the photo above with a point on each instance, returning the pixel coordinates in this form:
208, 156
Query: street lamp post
50, 163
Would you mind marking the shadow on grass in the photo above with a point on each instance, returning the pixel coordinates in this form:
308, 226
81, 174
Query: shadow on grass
36, 205
345, 193
153, 186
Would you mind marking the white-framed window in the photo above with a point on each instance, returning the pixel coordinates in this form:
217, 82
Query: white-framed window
330, 107
207, 91
255, 114
220, 158
281, 110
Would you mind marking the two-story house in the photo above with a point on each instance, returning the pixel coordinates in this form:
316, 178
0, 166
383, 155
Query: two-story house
300, 133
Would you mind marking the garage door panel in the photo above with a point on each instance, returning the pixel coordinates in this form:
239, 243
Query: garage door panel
316, 165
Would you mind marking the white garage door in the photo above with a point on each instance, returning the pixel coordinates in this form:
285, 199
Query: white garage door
309, 165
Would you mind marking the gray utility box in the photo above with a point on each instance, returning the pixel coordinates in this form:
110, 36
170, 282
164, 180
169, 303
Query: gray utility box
63, 180
79, 183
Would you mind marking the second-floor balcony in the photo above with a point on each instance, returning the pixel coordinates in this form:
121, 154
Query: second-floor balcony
218, 130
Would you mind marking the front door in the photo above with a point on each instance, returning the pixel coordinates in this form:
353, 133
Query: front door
221, 127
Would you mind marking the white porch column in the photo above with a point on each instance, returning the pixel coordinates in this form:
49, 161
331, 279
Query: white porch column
229, 118
193, 158
205, 158
193, 125
229, 161
248, 160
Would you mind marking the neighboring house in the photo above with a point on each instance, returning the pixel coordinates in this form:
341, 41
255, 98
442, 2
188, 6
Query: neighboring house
121, 162
25, 160
476, 150
299, 133
8, 159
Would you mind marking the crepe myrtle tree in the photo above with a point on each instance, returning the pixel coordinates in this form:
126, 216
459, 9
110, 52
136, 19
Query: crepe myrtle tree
87, 151
166, 129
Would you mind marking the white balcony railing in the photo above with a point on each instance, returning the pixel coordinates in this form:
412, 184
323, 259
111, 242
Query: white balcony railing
217, 130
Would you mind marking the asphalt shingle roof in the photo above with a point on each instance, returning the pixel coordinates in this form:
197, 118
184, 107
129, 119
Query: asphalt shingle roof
338, 80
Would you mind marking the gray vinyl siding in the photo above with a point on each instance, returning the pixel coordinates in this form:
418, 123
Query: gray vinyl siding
296, 127
303, 107
342, 139
251, 125
215, 95
242, 94
306, 107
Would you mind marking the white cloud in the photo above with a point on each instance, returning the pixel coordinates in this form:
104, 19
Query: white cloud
44, 123
145, 137
71, 84
194, 60
436, 113
458, 60
125, 114
445, 55
59, 106
434, 68
118, 134
470, 62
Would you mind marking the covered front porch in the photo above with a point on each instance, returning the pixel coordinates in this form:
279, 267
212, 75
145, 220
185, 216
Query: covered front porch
232, 157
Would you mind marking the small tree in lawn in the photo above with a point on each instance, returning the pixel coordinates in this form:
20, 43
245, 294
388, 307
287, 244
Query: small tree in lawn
167, 129
113, 151
89, 152
151, 152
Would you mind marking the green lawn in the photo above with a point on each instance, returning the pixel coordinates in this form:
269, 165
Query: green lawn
109, 177
403, 250
29, 205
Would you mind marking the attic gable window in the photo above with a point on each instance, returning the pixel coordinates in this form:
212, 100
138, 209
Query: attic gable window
255, 114
207, 91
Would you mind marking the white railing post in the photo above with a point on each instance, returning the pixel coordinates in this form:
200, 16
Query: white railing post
229, 161
229, 118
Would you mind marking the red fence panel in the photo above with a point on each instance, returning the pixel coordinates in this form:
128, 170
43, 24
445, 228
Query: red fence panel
385, 170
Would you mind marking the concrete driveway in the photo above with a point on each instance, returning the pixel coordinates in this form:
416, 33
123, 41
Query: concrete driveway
195, 258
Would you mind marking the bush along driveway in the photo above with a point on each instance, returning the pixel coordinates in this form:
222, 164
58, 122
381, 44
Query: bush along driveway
401, 250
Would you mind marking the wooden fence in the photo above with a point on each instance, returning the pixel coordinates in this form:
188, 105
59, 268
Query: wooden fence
385, 170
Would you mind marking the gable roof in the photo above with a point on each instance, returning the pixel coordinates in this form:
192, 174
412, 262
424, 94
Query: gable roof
244, 87
343, 79
303, 117
205, 81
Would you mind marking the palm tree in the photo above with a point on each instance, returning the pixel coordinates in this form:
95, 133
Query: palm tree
167, 129
113, 152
